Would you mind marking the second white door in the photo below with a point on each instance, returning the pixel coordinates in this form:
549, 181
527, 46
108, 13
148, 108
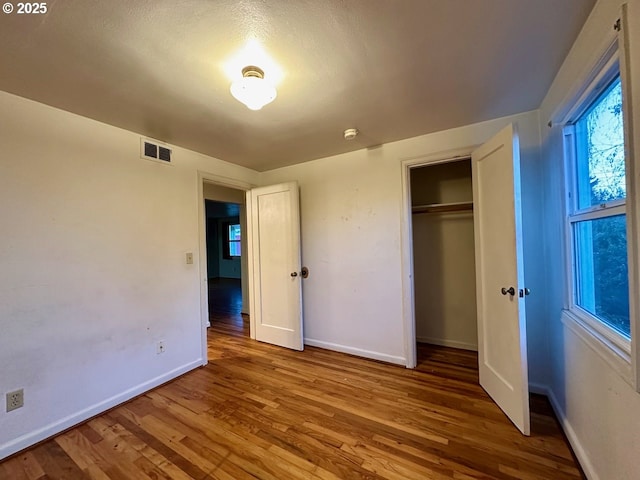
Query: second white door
275, 265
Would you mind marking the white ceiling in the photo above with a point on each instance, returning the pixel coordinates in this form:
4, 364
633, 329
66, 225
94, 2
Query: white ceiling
391, 68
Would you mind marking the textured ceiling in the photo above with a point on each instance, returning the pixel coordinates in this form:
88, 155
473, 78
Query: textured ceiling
391, 68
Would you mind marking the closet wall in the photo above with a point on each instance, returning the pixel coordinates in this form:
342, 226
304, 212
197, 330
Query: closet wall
444, 255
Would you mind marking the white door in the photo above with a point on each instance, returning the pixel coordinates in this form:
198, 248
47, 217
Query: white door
502, 342
274, 262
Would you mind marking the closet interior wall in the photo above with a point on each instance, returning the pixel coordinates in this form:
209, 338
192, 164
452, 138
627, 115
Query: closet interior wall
444, 255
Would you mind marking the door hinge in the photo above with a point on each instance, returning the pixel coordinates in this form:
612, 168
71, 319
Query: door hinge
616, 26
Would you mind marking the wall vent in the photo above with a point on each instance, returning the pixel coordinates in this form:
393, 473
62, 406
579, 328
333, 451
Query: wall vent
154, 150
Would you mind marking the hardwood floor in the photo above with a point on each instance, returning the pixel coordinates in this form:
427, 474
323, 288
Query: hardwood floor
225, 297
259, 411
225, 306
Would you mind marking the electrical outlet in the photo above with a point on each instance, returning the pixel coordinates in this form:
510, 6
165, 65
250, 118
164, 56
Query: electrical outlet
160, 347
15, 400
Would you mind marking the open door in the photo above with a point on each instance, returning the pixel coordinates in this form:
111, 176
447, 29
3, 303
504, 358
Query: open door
274, 260
502, 342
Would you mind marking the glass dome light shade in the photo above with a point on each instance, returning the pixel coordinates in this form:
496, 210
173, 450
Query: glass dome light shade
252, 90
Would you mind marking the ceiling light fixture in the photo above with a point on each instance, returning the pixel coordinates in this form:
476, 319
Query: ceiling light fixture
252, 89
350, 133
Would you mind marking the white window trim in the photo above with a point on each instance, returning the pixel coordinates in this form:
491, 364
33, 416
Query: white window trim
630, 75
229, 241
613, 347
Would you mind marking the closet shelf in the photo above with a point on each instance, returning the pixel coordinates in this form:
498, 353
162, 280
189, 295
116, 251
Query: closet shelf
443, 207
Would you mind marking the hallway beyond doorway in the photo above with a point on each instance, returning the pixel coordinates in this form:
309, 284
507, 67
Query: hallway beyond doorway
225, 305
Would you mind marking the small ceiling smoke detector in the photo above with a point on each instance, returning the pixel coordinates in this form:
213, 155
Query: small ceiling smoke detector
252, 89
350, 133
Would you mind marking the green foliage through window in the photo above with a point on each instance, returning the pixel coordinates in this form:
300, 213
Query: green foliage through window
603, 287
600, 240
600, 150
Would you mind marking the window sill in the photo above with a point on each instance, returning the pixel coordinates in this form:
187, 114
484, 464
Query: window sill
617, 357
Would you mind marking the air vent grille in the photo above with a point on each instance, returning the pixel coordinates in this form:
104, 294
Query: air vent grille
164, 154
152, 150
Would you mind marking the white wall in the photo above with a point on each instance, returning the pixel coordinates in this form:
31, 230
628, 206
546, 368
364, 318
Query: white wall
213, 249
92, 267
351, 209
599, 410
218, 193
444, 279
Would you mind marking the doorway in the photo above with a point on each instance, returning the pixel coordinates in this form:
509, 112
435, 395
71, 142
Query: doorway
272, 268
444, 280
224, 239
222, 203
498, 263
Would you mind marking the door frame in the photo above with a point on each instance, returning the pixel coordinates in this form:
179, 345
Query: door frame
205, 177
406, 242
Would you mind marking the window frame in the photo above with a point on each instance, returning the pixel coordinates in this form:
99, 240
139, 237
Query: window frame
228, 241
615, 347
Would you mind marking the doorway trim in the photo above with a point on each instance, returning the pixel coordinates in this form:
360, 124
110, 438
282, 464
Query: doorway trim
406, 242
206, 177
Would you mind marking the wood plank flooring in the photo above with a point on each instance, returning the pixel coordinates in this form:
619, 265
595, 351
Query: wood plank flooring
259, 411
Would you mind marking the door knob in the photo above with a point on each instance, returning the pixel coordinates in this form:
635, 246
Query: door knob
511, 291
304, 272
294, 274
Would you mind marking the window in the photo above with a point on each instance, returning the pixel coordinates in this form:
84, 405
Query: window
233, 244
596, 220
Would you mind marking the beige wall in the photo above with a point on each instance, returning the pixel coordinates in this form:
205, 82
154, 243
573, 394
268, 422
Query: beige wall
218, 193
92, 267
352, 208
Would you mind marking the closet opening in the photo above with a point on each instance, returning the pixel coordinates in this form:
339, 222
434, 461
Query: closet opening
444, 277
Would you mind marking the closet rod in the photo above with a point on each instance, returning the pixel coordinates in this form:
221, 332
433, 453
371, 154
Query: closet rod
443, 207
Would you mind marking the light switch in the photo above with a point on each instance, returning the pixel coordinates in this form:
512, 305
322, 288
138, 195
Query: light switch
189, 258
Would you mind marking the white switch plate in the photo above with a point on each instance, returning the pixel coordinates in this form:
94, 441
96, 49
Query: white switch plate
189, 257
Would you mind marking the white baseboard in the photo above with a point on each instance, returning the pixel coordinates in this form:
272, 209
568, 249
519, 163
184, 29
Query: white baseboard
579, 451
56, 427
538, 388
448, 343
356, 351
576, 446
